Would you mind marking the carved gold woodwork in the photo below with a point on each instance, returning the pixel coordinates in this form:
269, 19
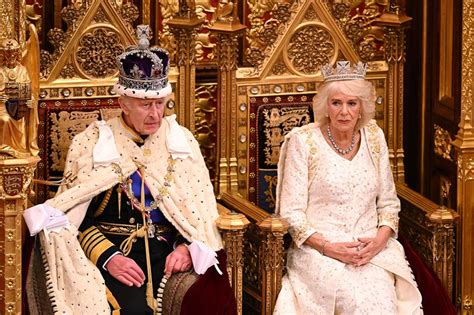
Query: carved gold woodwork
13, 20
64, 126
271, 21
464, 145
430, 230
271, 252
263, 254
442, 143
15, 179
277, 48
205, 115
394, 24
184, 27
227, 32
232, 226
203, 10
96, 32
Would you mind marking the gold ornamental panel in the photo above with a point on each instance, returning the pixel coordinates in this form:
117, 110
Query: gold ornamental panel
65, 125
96, 52
15, 179
310, 47
443, 143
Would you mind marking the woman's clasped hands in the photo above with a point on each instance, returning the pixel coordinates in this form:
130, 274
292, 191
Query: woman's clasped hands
356, 253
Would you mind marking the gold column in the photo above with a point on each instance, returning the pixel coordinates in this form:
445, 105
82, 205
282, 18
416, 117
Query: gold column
15, 178
233, 226
227, 29
395, 24
464, 145
146, 12
271, 260
184, 27
13, 20
16, 166
443, 221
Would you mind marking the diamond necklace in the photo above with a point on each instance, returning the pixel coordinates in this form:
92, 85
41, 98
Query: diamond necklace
336, 147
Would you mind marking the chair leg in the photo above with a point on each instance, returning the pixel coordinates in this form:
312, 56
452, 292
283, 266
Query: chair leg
272, 263
233, 226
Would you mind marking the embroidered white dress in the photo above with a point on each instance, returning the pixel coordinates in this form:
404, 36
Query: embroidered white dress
342, 200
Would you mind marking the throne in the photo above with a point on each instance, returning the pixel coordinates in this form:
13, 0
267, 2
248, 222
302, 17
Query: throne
275, 95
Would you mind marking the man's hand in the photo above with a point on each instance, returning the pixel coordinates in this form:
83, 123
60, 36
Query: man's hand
178, 260
125, 270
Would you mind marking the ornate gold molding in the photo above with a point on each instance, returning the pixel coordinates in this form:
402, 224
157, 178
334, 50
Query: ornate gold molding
86, 50
464, 144
394, 24
442, 143
271, 253
13, 20
430, 230
227, 31
15, 179
233, 226
184, 26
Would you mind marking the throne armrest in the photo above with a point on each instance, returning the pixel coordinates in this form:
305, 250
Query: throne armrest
271, 230
430, 229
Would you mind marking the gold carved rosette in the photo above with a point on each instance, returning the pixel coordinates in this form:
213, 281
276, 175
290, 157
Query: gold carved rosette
464, 145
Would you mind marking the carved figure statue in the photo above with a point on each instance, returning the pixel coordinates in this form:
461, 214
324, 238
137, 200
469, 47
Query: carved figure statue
225, 10
18, 117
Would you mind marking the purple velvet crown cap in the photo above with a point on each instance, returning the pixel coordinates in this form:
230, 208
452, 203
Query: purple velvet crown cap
143, 70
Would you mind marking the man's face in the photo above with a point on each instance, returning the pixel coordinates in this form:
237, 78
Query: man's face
143, 115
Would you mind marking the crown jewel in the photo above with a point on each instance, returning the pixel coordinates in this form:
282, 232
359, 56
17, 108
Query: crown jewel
344, 71
143, 70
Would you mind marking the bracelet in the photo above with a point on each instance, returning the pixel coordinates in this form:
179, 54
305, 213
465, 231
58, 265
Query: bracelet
324, 245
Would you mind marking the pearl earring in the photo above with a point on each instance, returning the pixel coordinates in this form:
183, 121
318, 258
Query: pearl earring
360, 116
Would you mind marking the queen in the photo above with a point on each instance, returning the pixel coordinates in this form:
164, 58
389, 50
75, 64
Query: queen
336, 190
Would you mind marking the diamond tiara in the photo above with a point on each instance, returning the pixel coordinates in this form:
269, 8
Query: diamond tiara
344, 71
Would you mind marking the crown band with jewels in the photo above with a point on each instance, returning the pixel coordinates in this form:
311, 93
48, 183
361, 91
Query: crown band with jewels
343, 71
143, 70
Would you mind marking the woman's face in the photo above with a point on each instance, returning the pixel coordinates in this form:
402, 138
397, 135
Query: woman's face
143, 115
343, 111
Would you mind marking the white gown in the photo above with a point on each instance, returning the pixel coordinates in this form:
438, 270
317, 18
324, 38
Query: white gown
342, 200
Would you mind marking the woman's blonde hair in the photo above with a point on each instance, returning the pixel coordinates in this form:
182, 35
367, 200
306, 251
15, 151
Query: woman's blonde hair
362, 89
